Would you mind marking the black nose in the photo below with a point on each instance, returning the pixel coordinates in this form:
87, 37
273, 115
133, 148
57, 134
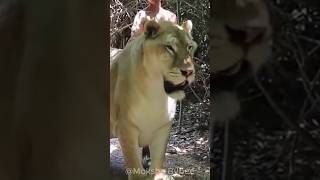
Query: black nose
186, 73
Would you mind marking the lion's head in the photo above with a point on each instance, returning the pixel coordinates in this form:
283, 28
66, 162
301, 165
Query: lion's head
170, 47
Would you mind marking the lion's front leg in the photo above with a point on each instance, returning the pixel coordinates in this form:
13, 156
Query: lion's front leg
128, 138
157, 152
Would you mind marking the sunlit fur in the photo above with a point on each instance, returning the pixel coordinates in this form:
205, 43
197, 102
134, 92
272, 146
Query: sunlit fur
138, 101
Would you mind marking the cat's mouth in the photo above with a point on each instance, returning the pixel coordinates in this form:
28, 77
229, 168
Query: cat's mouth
169, 87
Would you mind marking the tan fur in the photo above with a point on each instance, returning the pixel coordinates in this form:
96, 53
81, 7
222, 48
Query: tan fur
138, 101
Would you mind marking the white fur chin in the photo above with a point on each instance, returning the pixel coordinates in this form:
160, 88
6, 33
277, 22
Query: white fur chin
178, 95
172, 103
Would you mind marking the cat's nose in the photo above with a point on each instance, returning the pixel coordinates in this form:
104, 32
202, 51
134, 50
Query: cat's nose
186, 73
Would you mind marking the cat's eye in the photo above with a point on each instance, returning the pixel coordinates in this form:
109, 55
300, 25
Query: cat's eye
170, 49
